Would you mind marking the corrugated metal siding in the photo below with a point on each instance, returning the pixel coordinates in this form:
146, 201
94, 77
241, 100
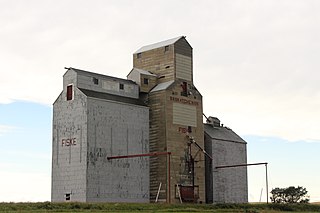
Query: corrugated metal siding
183, 47
183, 67
110, 85
134, 75
128, 88
115, 86
107, 84
69, 121
184, 114
226, 148
117, 129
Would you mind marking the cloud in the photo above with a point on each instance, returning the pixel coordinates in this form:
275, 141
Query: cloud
4, 129
289, 117
40, 156
255, 63
283, 165
25, 178
16, 187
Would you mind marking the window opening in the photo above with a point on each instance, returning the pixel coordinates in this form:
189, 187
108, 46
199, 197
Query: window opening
68, 196
184, 89
95, 80
121, 86
138, 55
146, 81
69, 93
166, 48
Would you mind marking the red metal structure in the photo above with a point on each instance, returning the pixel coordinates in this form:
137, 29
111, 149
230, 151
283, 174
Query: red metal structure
191, 193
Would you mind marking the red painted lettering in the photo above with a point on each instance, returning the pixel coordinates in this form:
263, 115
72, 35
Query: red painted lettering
184, 101
69, 142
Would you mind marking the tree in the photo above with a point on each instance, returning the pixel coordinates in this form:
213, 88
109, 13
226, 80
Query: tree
289, 195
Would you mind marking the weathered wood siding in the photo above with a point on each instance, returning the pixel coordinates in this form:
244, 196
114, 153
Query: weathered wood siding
170, 116
170, 64
177, 140
171, 113
157, 143
157, 61
152, 81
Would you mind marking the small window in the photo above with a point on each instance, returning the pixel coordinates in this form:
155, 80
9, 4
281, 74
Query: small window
146, 81
121, 86
95, 80
184, 86
139, 55
166, 48
68, 197
69, 93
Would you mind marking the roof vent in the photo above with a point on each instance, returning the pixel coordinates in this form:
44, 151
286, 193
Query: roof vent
213, 121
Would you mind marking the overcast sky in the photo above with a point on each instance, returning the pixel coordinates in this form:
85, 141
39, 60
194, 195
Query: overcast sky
256, 63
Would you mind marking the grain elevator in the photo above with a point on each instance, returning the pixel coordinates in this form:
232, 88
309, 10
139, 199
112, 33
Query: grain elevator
140, 139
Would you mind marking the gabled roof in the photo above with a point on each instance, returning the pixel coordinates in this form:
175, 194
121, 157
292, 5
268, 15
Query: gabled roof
111, 97
162, 86
159, 44
222, 133
141, 71
92, 74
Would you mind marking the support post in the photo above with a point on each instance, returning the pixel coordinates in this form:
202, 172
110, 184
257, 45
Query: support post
267, 183
250, 164
169, 174
158, 192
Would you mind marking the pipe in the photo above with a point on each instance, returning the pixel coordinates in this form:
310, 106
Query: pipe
251, 164
239, 165
151, 154
139, 155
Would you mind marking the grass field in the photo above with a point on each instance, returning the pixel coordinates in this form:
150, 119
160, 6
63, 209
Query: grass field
133, 207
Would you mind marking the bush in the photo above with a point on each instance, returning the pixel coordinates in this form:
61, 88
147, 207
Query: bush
289, 195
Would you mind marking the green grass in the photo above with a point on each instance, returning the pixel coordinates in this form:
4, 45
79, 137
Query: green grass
152, 207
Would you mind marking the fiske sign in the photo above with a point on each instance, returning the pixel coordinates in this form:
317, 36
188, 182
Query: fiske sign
69, 142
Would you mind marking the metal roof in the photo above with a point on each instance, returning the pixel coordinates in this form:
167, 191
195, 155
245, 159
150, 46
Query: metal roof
159, 44
141, 71
111, 97
162, 86
92, 74
223, 134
